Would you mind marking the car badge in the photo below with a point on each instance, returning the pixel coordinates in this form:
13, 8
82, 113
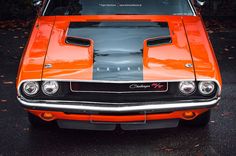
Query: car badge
188, 65
48, 66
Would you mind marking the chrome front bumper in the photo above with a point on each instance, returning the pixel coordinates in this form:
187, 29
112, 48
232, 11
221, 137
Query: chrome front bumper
86, 106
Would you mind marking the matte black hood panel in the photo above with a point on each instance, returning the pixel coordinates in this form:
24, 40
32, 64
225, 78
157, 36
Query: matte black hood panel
118, 46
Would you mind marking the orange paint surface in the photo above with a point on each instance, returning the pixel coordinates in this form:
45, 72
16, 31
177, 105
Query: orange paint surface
114, 118
76, 63
190, 44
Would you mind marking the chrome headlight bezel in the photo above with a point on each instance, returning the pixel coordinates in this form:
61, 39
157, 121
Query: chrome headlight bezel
187, 85
50, 91
35, 90
203, 91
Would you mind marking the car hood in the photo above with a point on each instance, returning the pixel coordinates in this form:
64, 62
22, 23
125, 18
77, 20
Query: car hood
118, 48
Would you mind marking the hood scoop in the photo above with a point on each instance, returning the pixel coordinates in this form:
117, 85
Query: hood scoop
118, 46
78, 41
137, 48
159, 41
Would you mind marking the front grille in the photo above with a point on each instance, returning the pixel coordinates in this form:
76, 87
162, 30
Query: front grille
118, 87
117, 93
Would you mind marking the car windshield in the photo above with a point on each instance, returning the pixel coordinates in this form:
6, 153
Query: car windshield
117, 7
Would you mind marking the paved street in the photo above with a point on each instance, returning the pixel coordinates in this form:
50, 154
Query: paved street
17, 137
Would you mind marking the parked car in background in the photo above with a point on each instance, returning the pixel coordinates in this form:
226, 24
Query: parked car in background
139, 64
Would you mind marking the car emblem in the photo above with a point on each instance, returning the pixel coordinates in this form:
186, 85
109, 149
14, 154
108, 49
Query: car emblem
48, 66
146, 86
188, 65
139, 86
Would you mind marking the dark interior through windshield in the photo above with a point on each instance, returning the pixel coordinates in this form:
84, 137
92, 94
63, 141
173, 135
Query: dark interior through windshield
117, 7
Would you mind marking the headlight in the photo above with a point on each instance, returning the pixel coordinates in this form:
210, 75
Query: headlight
50, 87
187, 87
30, 88
206, 87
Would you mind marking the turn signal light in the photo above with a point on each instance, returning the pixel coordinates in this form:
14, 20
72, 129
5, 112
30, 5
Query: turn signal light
189, 115
47, 116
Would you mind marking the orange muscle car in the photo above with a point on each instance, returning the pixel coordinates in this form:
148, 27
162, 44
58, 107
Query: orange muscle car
137, 64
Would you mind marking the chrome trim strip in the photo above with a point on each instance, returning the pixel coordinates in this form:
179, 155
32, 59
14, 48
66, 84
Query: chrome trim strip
191, 6
108, 103
81, 106
46, 7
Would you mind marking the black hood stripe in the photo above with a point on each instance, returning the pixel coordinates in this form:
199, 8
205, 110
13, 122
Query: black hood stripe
118, 46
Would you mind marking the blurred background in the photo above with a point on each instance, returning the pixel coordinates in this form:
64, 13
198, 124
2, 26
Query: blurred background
217, 13
23, 10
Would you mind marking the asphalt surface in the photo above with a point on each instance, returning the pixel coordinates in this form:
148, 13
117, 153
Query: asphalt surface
17, 137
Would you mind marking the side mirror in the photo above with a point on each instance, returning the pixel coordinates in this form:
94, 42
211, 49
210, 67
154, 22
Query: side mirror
37, 3
200, 3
